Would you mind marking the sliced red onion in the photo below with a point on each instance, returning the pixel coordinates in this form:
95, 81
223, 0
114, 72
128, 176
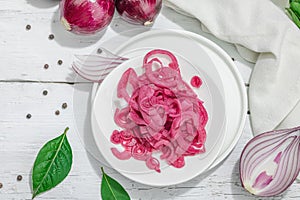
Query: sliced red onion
270, 162
124, 155
196, 81
153, 163
128, 77
115, 137
139, 152
129, 143
163, 113
122, 120
158, 52
86, 16
141, 12
179, 163
96, 67
126, 135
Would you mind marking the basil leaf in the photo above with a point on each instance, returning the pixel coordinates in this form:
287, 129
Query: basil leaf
111, 189
294, 17
52, 164
295, 6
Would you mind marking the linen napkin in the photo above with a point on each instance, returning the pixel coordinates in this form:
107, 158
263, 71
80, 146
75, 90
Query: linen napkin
260, 26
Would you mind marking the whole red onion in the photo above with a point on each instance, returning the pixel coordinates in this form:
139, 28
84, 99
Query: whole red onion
139, 11
86, 16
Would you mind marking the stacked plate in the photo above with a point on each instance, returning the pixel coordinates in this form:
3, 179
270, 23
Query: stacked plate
222, 92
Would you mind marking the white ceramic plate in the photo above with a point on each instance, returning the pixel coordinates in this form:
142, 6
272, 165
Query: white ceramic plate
231, 82
215, 134
103, 124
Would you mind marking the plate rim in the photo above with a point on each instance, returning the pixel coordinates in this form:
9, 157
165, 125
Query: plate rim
238, 79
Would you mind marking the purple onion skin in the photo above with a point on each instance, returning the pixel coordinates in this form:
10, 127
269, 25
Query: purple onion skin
86, 16
141, 12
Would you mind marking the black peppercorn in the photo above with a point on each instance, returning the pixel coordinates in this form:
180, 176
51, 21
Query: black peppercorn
57, 112
99, 51
19, 177
28, 27
46, 66
28, 116
60, 62
51, 37
1, 185
64, 105
45, 92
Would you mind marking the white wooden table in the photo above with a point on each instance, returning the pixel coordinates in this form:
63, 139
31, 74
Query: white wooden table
23, 78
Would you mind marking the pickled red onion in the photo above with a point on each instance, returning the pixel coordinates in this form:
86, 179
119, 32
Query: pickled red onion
163, 114
196, 81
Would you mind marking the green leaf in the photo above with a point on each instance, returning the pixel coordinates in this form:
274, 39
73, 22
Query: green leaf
111, 189
295, 6
52, 164
294, 1
294, 17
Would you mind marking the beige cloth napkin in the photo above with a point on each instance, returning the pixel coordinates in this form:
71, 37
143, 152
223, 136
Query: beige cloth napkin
258, 26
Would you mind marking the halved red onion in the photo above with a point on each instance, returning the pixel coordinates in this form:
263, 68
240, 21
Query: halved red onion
86, 16
141, 12
270, 162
